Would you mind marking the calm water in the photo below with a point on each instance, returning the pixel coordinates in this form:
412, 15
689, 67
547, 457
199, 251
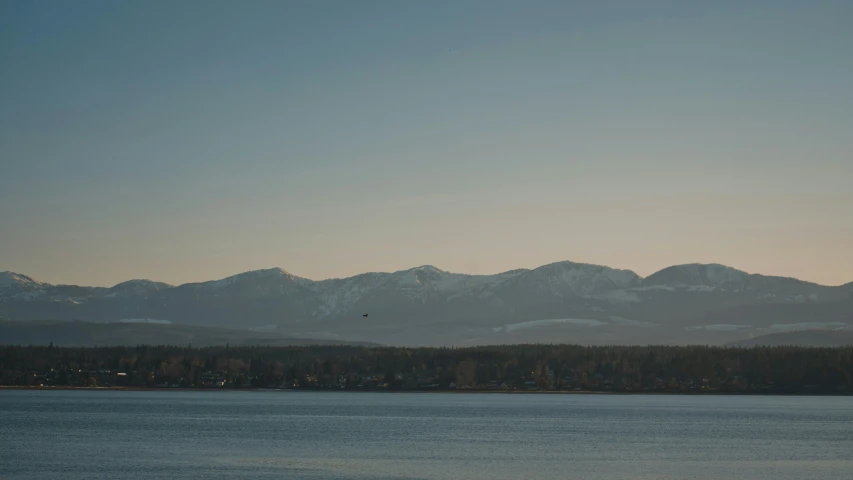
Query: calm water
294, 435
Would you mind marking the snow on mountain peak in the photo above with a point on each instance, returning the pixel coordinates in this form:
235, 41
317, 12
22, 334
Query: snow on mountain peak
17, 280
267, 272
583, 278
426, 283
423, 275
418, 283
270, 276
427, 268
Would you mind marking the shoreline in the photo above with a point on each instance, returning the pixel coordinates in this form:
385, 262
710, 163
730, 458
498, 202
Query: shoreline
451, 392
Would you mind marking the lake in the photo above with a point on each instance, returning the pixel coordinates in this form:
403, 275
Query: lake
308, 435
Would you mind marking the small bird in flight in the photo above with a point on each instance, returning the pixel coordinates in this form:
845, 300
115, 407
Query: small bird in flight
364, 315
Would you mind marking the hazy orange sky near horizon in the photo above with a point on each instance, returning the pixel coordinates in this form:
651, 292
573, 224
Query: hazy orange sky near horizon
187, 144
645, 237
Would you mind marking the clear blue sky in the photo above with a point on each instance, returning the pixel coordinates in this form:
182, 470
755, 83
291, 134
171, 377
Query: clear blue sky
184, 141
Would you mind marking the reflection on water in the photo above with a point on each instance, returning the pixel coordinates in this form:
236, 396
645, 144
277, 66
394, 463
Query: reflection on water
293, 435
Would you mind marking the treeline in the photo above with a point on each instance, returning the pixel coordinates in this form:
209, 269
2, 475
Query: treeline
514, 367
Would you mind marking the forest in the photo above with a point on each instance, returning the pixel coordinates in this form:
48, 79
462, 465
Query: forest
568, 368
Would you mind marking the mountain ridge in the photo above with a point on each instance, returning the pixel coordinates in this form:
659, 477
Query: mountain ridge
6, 275
566, 300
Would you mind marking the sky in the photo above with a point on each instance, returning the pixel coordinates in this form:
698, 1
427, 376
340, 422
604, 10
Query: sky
188, 141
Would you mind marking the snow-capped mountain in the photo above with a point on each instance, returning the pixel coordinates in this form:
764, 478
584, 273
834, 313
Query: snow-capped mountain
16, 284
9, 280
715, 276
563, 301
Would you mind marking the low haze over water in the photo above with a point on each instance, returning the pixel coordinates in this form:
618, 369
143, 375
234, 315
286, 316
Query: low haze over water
296, 435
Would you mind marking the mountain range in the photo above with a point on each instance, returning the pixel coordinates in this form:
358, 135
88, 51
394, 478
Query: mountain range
560, 302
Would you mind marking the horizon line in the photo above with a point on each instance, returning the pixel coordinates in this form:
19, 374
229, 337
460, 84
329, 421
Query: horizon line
287, 272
